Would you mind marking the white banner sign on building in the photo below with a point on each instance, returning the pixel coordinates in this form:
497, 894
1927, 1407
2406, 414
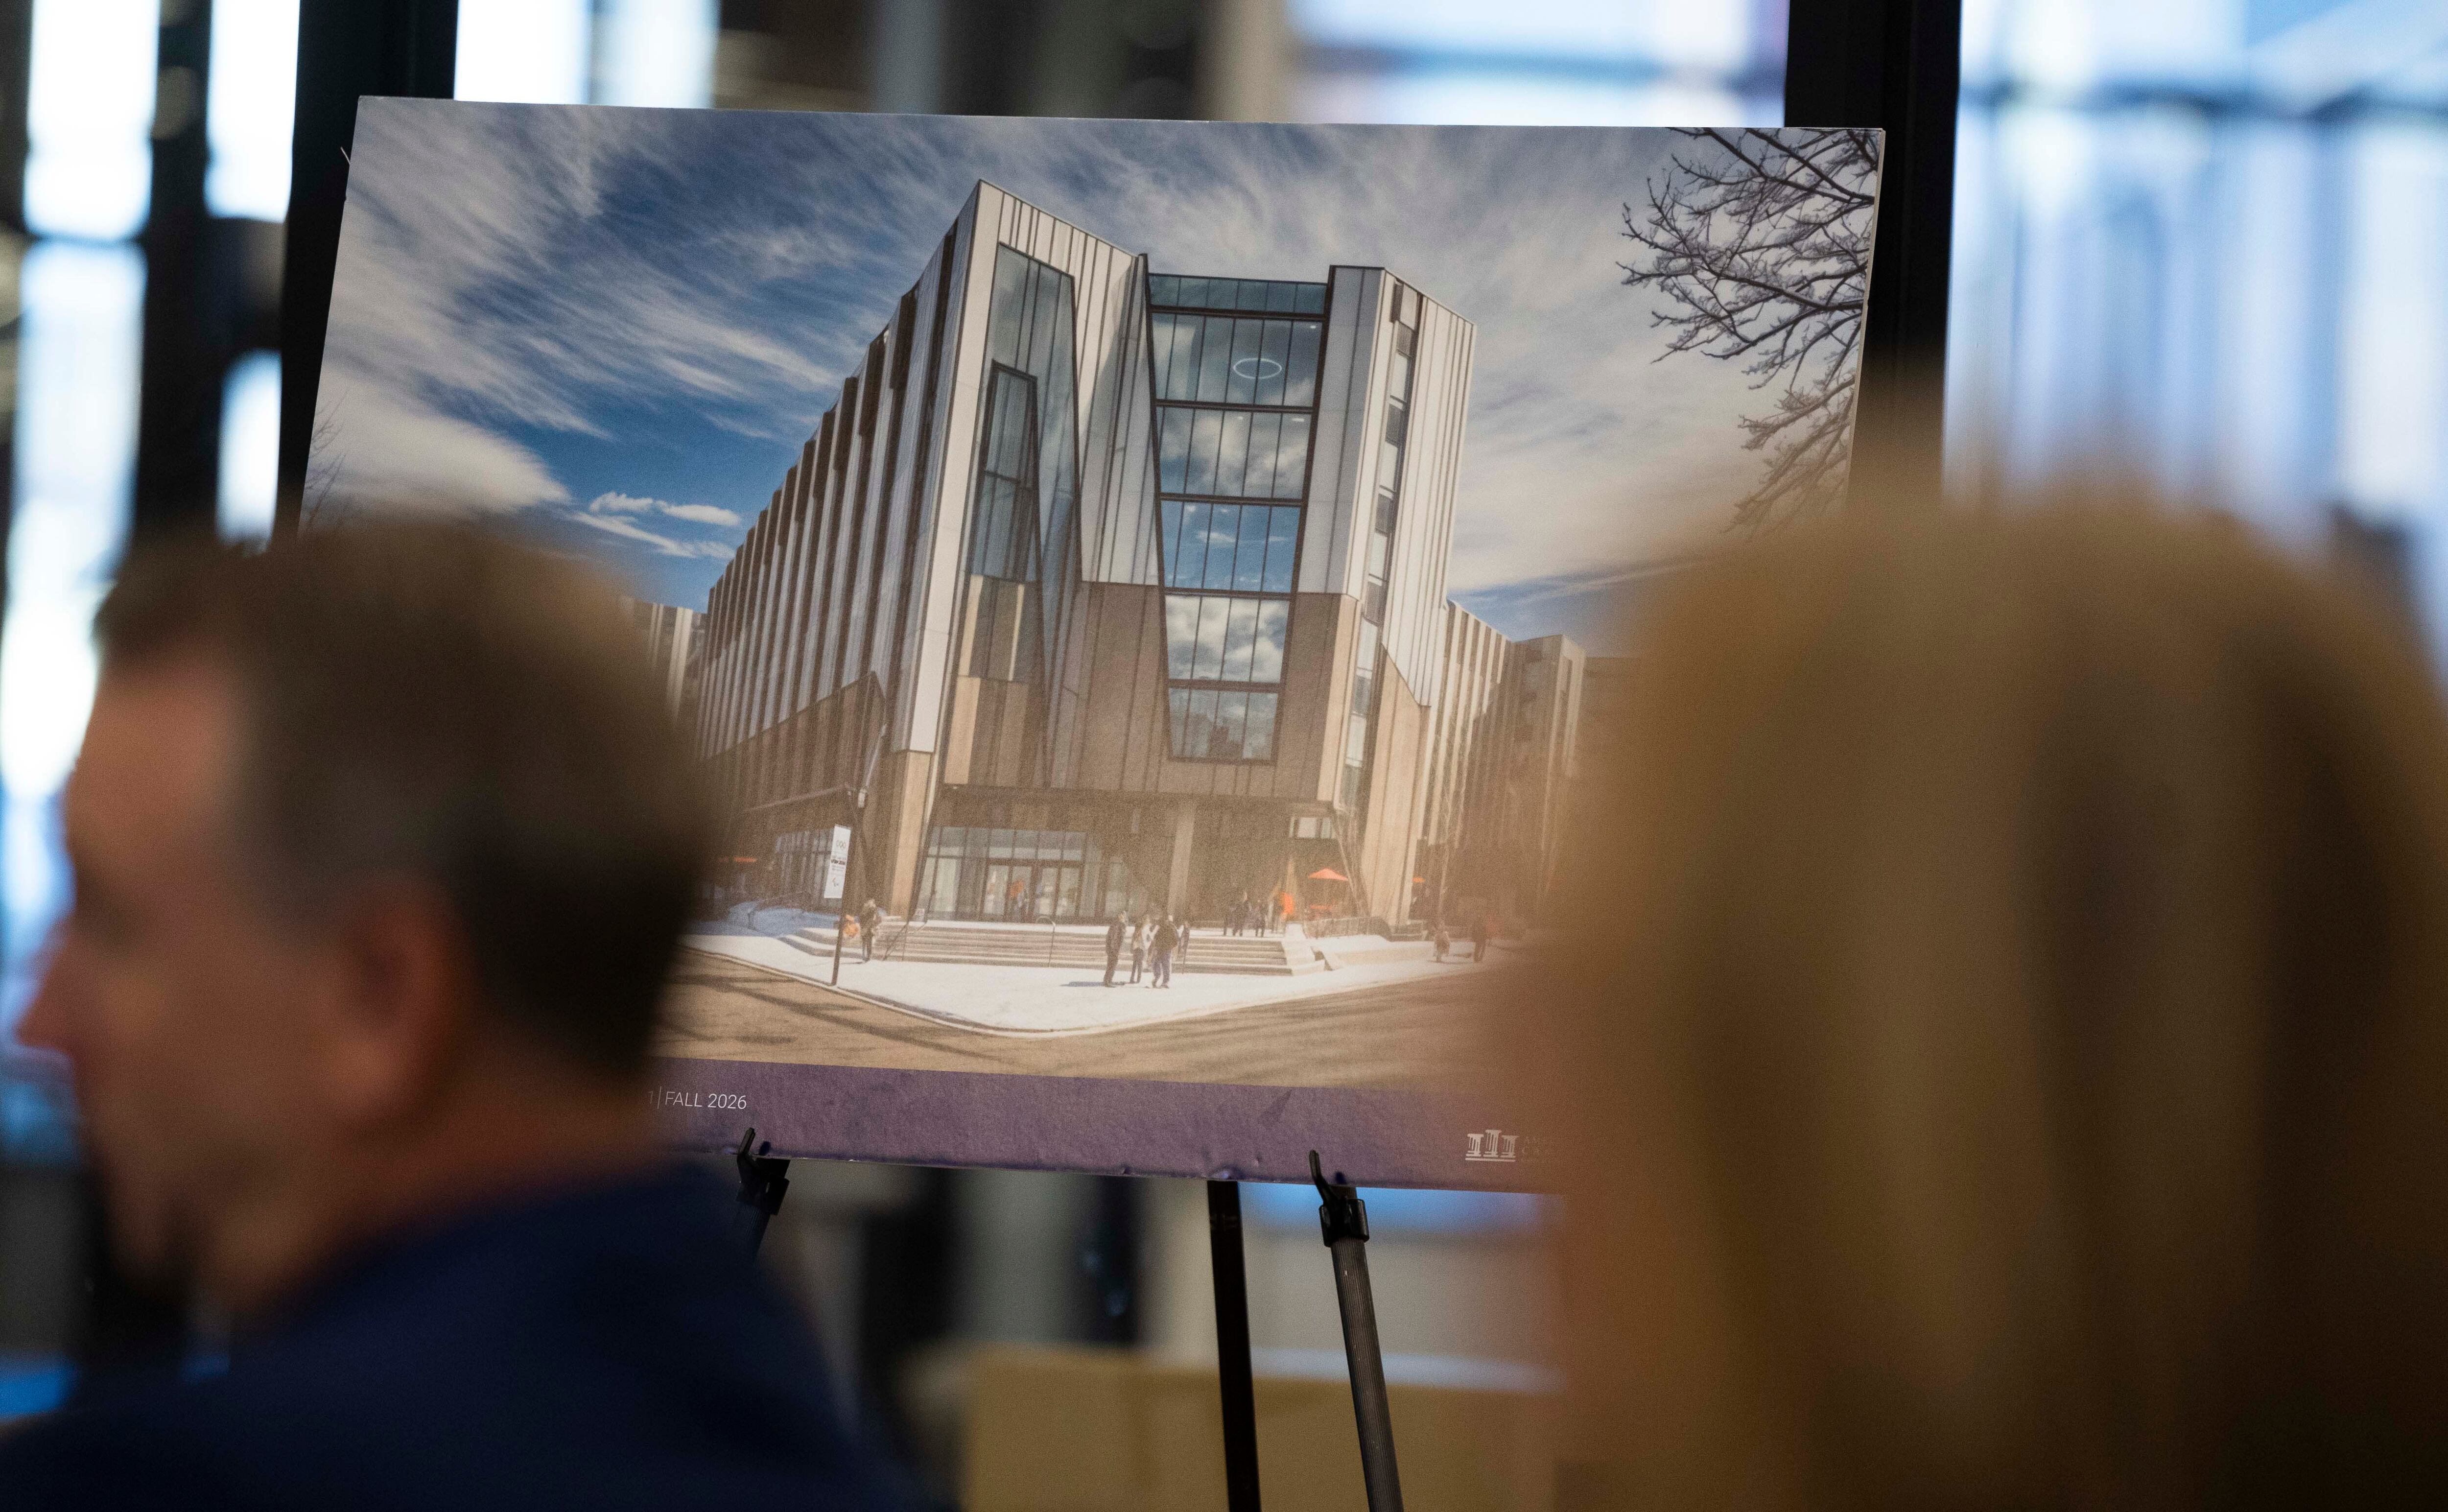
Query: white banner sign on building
837, 862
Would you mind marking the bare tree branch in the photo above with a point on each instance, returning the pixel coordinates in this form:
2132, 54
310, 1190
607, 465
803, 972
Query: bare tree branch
325, 464
1759, 244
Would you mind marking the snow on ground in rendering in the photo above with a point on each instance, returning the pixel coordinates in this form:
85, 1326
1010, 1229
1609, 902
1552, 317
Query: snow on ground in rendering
748, 919
1056, 999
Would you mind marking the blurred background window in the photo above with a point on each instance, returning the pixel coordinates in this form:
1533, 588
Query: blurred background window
2197, 237
2202, 240
1540, 61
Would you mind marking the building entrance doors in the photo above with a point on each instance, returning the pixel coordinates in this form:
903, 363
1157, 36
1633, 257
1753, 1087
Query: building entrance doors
1023, 891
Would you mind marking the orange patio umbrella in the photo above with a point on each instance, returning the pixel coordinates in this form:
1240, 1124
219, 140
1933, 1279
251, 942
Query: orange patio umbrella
1327, 874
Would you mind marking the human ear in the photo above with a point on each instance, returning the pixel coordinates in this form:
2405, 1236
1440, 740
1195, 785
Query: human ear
394, 1012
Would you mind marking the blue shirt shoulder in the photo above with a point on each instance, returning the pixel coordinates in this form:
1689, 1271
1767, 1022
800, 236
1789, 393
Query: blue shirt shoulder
609, 1348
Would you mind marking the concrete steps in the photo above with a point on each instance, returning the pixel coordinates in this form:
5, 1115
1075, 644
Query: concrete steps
1079, 948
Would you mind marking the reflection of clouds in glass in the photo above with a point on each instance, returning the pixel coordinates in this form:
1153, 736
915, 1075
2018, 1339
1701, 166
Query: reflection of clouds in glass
1258, 743
1202, 722
1209, 637
1230, 708
1241, 627
1283, 542
1250, 562
1223, 527
1180, 633
1266, 658
1211, 616
1290, 459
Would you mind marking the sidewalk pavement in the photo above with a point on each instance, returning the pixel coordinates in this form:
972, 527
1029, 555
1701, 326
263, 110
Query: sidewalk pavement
1066, 1000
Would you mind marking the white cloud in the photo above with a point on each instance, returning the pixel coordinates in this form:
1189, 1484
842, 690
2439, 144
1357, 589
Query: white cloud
663, 545
694, 513
376, 442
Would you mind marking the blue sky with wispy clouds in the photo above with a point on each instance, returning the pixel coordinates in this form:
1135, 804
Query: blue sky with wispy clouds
619, 325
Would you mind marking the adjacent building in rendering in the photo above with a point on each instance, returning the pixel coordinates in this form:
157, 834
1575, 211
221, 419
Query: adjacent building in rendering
672, 649
1101, 587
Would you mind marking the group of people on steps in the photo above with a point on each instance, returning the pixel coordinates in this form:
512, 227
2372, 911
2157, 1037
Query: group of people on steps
1155, 941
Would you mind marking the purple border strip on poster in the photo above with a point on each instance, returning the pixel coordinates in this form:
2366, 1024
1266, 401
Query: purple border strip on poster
1378, 1137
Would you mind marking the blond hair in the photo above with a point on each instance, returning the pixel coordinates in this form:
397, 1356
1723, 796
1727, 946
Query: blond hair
2009, 1036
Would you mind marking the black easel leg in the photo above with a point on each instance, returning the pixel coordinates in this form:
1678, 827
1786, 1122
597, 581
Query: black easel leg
1343, 1221
763, 1179
1233, 1347
1367, 1364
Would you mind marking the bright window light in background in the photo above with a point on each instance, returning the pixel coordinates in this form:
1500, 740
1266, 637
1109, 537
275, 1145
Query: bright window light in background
250, 446
1541, 62
1402, 1209
1474, 26
251, 99
657, 52
90, 117
2393, 372
1715, 36
78, 359
1471, 97
531, 51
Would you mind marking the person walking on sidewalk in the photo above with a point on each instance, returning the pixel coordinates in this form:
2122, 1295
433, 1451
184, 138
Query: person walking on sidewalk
1115, 933
1444, 941
1138, 946
1478, 937
1168, 938
870, 920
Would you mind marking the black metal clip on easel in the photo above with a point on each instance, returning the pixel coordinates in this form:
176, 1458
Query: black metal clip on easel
1343, 1218
763, 1179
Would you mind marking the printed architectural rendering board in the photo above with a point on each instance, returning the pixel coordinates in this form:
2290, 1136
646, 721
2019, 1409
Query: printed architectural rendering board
1046, 522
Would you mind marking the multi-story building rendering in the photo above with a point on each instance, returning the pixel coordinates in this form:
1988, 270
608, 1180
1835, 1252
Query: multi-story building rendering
1103, 587
1505, 751
672, 649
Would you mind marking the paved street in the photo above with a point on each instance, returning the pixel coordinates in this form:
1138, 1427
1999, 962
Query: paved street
1391, 1034
1011, 998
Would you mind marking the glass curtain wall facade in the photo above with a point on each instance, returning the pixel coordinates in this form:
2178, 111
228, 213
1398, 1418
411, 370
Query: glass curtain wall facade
1234, 364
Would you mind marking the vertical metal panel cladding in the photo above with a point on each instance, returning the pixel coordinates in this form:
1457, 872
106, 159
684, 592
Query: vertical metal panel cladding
915, 696
1473, 663
1431, 473
751, 651
1116, 478
1351, 398
794, 638
956, 433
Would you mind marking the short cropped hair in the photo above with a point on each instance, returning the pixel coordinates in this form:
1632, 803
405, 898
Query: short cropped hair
427, 700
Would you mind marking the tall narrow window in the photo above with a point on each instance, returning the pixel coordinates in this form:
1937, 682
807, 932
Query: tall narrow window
1021, 511
1002, 536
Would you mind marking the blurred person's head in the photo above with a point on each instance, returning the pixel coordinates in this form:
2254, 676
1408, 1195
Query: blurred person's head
2008, 1032
382, 844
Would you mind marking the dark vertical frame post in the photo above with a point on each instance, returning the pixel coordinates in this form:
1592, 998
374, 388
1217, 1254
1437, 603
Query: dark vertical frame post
346, 48
1240, 1401
17, 57
1896, 65
192, 291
